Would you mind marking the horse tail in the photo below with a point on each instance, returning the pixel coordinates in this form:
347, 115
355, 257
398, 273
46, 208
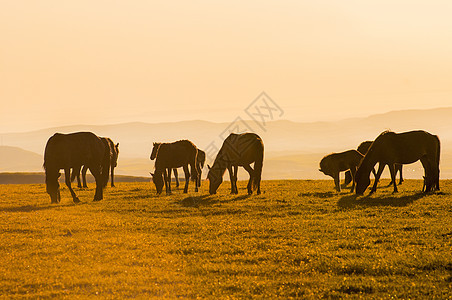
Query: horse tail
194, 167
105, 162
258, 164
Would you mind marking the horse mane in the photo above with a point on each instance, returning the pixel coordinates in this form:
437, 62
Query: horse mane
385, 132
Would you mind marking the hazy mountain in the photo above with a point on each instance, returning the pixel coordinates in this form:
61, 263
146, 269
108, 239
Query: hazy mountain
292, 149
14, 159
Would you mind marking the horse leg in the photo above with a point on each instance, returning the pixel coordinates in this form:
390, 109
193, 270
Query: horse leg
427, 173
235, 169
84, 170
231, 178
95, 171
199, 174
76, 173
250, 182
381, 167
176, 176
167, 179
67, 175
393, 171
400, 167
194, 173
336, 181
353, 173
112, 172
187, 178
374, 172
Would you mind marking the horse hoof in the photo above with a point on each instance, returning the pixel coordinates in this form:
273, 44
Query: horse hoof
76, 200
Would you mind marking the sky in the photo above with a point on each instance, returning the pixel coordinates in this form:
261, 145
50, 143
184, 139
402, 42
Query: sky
106, 62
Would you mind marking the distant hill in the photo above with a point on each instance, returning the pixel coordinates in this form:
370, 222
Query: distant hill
292, 149
39, 177
14, 159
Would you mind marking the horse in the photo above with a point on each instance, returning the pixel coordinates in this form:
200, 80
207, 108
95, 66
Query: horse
238, 150
66, 151
363, 148
174, 155
391, 148
114, 153
200, 160
335, 163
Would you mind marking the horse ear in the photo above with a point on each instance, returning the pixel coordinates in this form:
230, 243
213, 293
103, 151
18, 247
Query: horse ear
151, 174
320, 170
59, 174
117, 145
208, 167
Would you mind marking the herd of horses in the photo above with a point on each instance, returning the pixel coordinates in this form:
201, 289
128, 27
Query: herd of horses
80, 151
391, 149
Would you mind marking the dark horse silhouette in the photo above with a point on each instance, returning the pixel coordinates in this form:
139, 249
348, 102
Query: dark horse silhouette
200, 160
114, 153
174, 155
238, 150
335, 163
363, 148
391, 148
66, 151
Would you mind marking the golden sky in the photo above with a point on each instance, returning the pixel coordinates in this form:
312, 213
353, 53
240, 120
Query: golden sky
103, 62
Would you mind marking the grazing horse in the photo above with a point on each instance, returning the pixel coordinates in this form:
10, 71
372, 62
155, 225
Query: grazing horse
114, 153
174, 155
200, 160
238, 150
363, 148
335, 163
391, 148
66, 151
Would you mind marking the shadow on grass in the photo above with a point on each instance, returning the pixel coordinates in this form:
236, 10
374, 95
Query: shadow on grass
206, 200
32, 208
353, 201
322, 194
198, 201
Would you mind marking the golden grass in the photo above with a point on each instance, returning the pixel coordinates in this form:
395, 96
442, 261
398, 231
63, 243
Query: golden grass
297, 239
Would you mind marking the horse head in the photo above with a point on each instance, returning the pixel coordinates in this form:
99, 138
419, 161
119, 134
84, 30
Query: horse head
215, 177
158, 181
362, 179
52, 186
155, 149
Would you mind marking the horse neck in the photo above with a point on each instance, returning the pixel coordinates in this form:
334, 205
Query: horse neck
159, 166
369, 161
220, 165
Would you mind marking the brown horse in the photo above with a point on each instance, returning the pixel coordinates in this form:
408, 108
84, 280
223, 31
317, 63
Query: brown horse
114, 153
335, 163
391, 148
238, 150
66, 151
174, 155
363, 148
200, 160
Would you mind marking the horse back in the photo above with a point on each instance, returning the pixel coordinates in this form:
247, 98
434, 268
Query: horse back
342, 161
408, 147
175, 155
242, 149
74, 149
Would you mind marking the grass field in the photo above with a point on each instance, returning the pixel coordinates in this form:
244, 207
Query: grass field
299, 239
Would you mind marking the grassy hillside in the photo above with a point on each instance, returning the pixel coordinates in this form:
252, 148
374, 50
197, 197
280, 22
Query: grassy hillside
297, 239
